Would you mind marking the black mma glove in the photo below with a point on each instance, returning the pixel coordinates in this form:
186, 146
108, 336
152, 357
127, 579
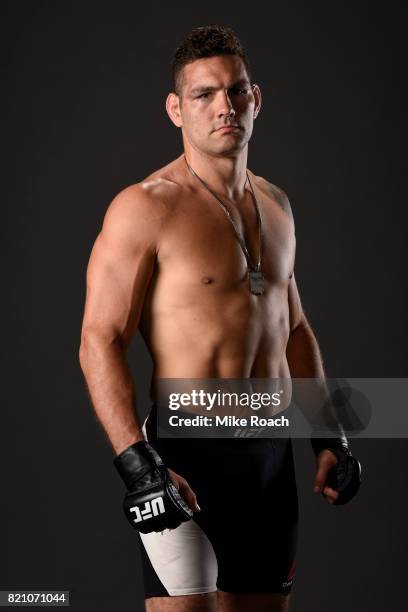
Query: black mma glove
153, 503
345, 476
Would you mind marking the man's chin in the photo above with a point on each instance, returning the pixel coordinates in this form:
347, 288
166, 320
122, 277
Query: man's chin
229, 149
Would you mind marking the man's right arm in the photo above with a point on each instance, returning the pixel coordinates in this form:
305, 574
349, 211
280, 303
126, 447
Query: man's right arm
119, 271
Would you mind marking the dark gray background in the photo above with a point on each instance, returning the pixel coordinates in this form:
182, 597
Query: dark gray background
84, 90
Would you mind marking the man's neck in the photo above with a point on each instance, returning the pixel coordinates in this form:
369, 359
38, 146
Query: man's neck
224, 175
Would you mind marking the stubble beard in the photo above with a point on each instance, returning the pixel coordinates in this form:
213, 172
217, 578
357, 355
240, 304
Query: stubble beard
233, 149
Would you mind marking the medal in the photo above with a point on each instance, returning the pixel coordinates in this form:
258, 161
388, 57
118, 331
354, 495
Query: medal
256, 282
255, 275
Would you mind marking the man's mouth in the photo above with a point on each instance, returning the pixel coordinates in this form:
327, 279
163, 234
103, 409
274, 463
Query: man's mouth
228, 128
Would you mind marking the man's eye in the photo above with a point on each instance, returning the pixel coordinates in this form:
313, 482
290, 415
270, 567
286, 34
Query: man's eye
203, 95
238, 90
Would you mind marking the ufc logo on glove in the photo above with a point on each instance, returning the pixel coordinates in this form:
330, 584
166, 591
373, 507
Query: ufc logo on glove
152, 508
151, 496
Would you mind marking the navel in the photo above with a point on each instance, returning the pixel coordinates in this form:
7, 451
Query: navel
206, 280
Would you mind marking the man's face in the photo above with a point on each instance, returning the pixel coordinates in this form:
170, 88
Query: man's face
211, 88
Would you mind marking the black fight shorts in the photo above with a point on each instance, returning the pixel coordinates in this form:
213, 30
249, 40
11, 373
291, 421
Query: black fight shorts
244, 539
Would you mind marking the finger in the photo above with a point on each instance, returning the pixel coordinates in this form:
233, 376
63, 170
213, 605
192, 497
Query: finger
325, 461
330, 494
189, 495
321, 477
174, 480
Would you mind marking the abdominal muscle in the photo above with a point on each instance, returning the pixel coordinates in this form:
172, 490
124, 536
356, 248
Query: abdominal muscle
218, 334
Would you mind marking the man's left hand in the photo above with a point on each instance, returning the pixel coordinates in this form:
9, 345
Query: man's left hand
325, 461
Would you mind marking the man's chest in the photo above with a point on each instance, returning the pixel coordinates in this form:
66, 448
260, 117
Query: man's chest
203, 242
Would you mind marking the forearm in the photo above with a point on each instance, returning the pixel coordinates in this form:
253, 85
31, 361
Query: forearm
305, 361
111, 389
303, 353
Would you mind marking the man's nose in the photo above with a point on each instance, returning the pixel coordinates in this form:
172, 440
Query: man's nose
225, 104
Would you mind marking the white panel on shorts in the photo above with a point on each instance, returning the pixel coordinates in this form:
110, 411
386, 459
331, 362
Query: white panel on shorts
183, 559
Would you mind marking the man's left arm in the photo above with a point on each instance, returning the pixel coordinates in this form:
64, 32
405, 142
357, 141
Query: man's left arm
305, 361
335, 466
302, 350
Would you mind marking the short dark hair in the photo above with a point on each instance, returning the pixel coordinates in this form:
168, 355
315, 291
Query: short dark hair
206, 41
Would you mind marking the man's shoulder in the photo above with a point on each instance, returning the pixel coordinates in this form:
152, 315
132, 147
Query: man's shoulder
277, 193
153, 198
153, 194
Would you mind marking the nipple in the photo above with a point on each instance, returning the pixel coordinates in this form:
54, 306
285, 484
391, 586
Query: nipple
206, 280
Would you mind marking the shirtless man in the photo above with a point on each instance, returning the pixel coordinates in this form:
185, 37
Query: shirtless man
170, 263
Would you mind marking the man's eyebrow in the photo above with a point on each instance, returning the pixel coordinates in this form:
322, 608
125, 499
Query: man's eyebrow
201, 88
209, 88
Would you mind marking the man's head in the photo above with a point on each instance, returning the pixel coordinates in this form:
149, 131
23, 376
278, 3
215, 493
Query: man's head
204, 42
212, 89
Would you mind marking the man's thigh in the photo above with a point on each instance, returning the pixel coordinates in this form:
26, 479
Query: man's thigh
206, 602
219, 602
234, 602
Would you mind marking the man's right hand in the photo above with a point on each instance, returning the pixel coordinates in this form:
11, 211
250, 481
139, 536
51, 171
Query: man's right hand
155, 498
185, 490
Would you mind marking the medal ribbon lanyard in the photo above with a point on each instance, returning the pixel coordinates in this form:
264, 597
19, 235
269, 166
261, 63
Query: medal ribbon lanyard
254, 270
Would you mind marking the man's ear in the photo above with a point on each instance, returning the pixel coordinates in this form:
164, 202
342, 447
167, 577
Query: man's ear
258, 99
173, 109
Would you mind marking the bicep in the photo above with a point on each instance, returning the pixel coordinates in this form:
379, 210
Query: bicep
296, 314
295, 305
119, 271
